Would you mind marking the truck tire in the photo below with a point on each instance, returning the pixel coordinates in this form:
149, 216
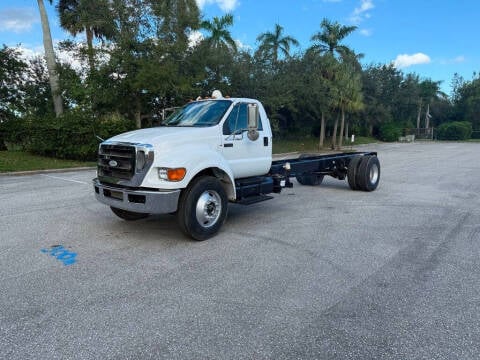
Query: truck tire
128, 215
309, 179
202, 208
352, 172
368, 175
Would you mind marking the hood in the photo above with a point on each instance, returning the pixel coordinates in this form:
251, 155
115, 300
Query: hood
162, 134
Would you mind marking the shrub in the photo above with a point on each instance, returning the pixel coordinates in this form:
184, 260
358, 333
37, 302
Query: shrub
71, 136
389, 132
113, 124
457, 130
14, 134
406, 127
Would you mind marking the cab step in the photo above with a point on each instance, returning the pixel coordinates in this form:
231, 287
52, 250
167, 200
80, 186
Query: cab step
254, 199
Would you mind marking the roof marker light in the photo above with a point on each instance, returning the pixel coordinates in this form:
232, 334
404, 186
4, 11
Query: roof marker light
217, 94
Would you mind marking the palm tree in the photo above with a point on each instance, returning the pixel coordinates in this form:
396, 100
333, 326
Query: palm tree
91, 17
218, 50
345, 81
273, 43
50, 59
330, 36
350, 97
220, 36
350, 81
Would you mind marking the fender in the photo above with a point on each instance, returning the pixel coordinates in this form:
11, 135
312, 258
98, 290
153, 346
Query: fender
200, 157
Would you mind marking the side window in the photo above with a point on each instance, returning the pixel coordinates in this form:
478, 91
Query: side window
237, 120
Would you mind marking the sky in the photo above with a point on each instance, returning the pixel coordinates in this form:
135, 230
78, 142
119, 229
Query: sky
434, 39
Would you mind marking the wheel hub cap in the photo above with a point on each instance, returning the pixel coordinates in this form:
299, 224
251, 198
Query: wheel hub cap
208, 209
373, 174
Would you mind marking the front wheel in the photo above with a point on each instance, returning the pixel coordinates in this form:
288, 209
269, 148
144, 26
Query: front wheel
202, 209
128, 215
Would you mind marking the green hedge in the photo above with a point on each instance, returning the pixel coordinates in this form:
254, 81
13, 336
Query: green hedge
13, 134
458, 130
71, 136
389, 132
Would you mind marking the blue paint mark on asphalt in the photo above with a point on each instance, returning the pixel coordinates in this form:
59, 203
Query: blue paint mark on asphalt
62, 254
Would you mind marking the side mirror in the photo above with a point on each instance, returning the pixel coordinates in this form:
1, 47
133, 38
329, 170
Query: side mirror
253, 122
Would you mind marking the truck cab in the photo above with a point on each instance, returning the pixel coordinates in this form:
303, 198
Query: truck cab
146, 171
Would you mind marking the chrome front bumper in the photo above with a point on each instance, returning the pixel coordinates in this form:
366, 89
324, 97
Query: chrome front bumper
140, 201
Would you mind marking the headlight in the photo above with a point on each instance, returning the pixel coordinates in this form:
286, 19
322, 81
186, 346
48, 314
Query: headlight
162, 173
141, 160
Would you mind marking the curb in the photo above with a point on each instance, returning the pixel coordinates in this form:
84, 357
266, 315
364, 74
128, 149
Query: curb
46, 171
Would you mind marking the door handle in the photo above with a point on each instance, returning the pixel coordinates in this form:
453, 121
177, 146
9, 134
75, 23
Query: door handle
228, 145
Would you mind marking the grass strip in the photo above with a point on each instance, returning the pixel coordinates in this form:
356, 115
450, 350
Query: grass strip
22, 161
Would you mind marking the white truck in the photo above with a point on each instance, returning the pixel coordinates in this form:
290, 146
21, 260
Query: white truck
208, 153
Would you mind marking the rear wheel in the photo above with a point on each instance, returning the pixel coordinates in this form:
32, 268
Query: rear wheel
352, 172
202, 208
368, 175
128, 215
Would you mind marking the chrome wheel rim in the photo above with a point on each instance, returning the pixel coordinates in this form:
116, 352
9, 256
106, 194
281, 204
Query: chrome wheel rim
209, 208
374, 173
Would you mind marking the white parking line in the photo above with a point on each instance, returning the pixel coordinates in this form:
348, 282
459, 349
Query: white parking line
60, 178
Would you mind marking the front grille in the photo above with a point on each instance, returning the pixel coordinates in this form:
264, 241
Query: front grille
116, 161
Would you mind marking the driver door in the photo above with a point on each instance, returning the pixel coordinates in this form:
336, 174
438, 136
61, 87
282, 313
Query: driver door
245, 157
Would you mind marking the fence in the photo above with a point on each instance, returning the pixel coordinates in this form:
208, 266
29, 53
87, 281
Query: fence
419, 134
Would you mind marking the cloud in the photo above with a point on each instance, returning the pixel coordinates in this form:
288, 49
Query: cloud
29, 53
18, 20
242, 46
66, 57
194, 38
405, 60
361, 13
225, 5
364, 6
366, 32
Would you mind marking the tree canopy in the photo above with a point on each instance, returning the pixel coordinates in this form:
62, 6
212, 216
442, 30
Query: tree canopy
142, 60
275, 44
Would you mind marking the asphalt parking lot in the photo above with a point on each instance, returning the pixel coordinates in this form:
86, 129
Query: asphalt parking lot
316, 273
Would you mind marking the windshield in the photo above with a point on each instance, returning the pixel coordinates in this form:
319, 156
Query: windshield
201, 113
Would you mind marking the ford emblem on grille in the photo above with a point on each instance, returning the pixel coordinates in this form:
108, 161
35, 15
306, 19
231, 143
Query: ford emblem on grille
112, 163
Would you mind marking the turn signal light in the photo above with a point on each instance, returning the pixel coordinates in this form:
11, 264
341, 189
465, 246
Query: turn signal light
176, 174
168, 174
